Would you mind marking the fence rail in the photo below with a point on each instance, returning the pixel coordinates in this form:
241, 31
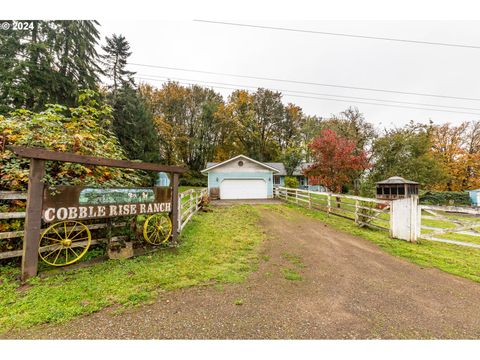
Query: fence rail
363, 211
451, 224
189, 203
13, 195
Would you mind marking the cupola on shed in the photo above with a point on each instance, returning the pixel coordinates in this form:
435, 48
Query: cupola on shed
396, 187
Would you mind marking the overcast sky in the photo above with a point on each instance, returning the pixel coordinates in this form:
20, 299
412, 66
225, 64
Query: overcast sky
366, 63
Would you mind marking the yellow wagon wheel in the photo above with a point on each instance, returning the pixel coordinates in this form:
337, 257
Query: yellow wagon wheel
64, 243
157, 229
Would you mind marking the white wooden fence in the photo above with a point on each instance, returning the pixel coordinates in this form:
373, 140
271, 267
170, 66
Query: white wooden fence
189, 203
403, 218
451, 224
363, 211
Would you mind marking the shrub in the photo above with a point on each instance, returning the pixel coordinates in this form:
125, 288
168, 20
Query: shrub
291, 182
445, 198
81, 130
193, 178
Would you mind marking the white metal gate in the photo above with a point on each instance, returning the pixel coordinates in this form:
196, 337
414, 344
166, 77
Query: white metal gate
451, 224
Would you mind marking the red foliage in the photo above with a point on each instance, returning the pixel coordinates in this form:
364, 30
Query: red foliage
336, 160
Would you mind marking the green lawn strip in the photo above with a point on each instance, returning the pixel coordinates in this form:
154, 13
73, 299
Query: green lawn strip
291, 274
215, 247
458, 260
452, 216
294, 260
461, 217
441, 224
460, 237
186, 188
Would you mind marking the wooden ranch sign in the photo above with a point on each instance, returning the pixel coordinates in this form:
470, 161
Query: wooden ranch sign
76, 203
82, 203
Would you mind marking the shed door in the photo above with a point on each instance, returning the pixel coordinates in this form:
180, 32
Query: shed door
243, 189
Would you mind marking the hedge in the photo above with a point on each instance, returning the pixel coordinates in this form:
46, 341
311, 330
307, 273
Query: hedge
445, 198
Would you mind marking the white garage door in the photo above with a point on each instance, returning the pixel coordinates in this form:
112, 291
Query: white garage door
243, 189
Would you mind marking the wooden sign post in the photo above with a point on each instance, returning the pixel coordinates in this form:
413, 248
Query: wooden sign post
33, 220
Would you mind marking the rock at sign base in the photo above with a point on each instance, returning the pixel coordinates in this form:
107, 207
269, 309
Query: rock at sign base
122, 252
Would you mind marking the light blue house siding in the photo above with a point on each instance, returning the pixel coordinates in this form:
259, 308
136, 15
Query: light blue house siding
475, 197
302, 183
216, 178
162, 179
251, 179
240, 178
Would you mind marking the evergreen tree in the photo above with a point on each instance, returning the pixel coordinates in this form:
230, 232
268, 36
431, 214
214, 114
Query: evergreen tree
115, 60
78, 61
133, 125
47, 62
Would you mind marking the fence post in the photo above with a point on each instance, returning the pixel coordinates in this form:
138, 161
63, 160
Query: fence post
33, 219
356, 212
329, 204
196, 201
404, 219
309, 199
296, 196
180, 214
286, 194
176, 208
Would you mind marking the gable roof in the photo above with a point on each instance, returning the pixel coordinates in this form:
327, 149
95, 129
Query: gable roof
396, 180
282, 171
211, 166
275, 166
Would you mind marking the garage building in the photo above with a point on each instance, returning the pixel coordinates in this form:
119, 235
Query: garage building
240, 178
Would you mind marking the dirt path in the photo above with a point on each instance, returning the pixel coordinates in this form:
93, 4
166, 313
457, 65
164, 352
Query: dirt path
349, 289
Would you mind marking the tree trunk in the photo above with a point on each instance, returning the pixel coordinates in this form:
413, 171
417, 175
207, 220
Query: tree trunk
30, 101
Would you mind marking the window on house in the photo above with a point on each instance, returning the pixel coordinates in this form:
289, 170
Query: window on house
276, 180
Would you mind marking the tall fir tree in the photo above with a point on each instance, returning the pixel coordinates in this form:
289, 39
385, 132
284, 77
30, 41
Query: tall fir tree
132, 119
47, 62
117, 50
79, 63
133, 125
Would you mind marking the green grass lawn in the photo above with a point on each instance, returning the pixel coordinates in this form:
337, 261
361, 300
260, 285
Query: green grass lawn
446, 224
460, 237
214, 248
346, 207
458, 260
185, 188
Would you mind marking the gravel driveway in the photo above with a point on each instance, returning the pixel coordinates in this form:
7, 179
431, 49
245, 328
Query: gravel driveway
349, 288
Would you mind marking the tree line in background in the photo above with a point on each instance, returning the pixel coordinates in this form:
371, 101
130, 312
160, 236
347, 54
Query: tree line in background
57, 62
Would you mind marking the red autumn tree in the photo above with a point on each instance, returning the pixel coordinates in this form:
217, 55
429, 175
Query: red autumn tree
336, 161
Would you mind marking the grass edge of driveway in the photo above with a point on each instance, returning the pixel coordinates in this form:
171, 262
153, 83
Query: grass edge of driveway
454, 259
215, 247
